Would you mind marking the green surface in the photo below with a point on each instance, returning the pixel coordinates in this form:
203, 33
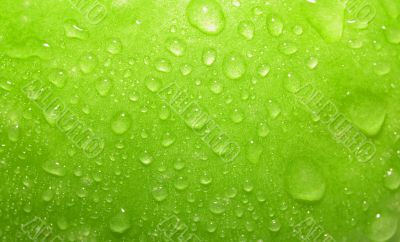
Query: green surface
269, 75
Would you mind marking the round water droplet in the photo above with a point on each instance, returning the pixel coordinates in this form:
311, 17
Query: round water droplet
381, 69
181, 183
305, 181
114, 46
146, 159
392, 179
216, 87
120, 123
54, 167
152, 83
234, 66
236, 116
217, 207
57, 77
176, 46
159, 193
206, 15
392, 34
120, 223
382, 227
209, 56
274, 225
246, 29
205, 179
88, 62
163, 65
103, 86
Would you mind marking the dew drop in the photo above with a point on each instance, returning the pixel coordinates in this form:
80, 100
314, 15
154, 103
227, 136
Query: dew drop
103, 86
176, 46
246, 29
234, 66
120, 223
209, 56
54, 167
206, 16
88, 62
274, 25
120, 123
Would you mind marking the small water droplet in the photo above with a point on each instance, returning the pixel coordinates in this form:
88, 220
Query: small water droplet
234, 66
246, 29
206, 16
120, 123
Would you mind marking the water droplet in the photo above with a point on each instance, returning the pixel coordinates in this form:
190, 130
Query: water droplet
163, 65
205, 179
263, 70
186, 69
72, 30
381, 69
120, 123
181, 183
274, 109
13, 132
211, 226
236, 116
48, 195
57, 77
263, 130
246, 29
103, 86
382, 227
248, 186
305, 181
274, 225
287, 48
366, 110
392, 34
312, 62
216, 87
176, 46
159, 193
392, 179
298, 30
253, 152
234, 66
217, 206
114, 46
54, 167
274, 25
209, 56
167, 140
327, 18
88, 62
152, 83
120, 223
145, 158
206, 15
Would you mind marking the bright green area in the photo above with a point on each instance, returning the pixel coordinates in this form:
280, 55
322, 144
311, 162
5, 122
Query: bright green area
235, 58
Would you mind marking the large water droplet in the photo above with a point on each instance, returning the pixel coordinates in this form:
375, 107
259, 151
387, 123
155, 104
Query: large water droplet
57, 77
382, 227
72, 30
206, 15
152, 83
366, 110
392, 179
